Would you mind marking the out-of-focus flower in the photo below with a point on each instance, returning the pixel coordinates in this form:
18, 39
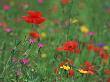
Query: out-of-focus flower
84, 29
90, 47
91, 33
1, 24
71, 72
69, 46
34, 35
34, 17
40, 45
83, 71
65, 67
43, 35
100, 45
87, 69
32, 41
40, 1
96, 49
104, 56
106, 47
8, 30
24, 61
6, 7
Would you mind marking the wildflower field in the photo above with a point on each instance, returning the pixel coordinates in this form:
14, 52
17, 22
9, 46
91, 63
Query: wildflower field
54, 40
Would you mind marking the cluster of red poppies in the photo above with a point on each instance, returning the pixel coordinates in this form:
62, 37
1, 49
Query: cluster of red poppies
89, 68
103, 54
34, 18
34, 35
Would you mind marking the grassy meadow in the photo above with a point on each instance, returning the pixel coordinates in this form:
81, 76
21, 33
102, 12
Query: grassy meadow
54, 40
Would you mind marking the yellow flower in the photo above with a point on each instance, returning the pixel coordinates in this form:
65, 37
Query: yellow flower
43, 35
65, 67
106, 48
84, 29
82, 71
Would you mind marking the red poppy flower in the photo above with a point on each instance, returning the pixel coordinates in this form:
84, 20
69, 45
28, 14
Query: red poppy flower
90, 47
104, 56
96, 49
87, 63
69, 46
34, 34
61, 64
34, 14
34, 17
71, 72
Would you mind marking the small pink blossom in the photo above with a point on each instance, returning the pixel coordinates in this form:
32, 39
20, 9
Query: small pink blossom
24, 61
1, 24
40, 45
32, 41
8, 30
91, 33
6, 7
40, 1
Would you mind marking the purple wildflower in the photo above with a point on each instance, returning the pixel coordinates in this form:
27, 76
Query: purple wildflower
40, 45
24, 61
91, 33
8, 30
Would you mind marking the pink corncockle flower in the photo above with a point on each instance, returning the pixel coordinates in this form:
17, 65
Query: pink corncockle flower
91, 33
1, 24
40, 45
24, 61
32, 41
8, 30
6, 7
40, 1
